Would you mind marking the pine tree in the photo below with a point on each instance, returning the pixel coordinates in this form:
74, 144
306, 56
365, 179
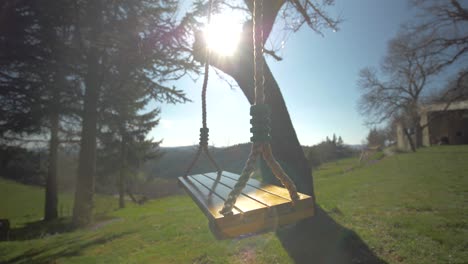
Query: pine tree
34, 67
123, 136
125, 44
376, 137
340, 141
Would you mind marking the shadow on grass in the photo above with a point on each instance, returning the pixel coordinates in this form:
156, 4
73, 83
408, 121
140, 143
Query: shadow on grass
60, 248
321, 240
40, 229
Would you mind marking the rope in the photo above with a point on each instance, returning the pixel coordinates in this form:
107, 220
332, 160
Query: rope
258, 52
207, 70
260, 121
203, 144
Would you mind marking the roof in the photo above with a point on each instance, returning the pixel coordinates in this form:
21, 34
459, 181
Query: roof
457, 105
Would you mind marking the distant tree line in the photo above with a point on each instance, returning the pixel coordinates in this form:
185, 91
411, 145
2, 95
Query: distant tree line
380, 137
328, 150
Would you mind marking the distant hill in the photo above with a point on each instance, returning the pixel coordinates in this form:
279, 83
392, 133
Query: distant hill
356, 146
175, 160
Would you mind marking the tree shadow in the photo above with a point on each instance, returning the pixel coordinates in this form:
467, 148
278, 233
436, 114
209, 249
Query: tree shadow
55, 250
322, 240
39, 229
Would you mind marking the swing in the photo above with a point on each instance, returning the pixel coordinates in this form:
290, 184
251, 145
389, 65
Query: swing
236, 205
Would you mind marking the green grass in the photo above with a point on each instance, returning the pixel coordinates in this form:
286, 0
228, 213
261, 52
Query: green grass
409, 208
23, 203
168, 230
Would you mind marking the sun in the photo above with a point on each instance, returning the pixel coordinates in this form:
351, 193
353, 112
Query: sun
223, 34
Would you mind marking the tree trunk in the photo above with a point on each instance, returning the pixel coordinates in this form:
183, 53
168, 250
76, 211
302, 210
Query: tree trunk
285, 144
122, 174
410, 139
59, 83
83, 204
418, 132
121, 190
82, 210
130, 194
51, 199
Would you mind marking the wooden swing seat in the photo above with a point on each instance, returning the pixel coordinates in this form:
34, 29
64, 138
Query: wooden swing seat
260, 207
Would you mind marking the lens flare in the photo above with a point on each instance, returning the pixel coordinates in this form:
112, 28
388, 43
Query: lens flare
223, 34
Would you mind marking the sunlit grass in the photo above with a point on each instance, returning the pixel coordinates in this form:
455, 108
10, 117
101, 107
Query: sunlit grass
22, 203
408, 208
168, 230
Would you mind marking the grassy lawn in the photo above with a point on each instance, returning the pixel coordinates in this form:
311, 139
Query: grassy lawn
408, 208
22, 203
168, 230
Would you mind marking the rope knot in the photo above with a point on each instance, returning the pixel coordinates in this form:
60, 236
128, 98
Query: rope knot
260, 123
204, 136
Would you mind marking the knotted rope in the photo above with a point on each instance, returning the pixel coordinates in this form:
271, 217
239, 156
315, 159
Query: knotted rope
260, 121
204, 131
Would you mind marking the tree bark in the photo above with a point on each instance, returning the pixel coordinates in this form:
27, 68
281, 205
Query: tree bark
51, 199
285, 144
418, 132
83, 204
410, 139
122, 174
121, 190
59, 83
130, 194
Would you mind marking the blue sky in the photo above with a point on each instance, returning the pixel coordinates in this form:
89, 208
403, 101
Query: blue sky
317, 76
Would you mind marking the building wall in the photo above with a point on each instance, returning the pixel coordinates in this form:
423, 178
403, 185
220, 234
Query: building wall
449, 128
447, 122
426, 138
401, 140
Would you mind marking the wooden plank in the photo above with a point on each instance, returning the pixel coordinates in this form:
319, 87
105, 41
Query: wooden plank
254, 193
243, 203
209, 204
270, 223
260, 207
304, 206
282, 205
273, 189
266, 222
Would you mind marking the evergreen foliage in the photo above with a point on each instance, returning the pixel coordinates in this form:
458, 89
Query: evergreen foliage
63, 64
36, 77
328, 150
21, 165
376, 137
124, 126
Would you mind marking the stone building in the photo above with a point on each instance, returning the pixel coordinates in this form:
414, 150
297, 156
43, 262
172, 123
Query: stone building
442, 123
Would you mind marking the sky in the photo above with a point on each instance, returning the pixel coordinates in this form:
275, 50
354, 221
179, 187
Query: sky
317, 76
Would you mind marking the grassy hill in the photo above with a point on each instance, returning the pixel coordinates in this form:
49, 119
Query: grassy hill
407, 208
175, 160
22, 204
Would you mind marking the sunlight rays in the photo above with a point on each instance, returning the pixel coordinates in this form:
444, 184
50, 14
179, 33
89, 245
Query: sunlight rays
223, 34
